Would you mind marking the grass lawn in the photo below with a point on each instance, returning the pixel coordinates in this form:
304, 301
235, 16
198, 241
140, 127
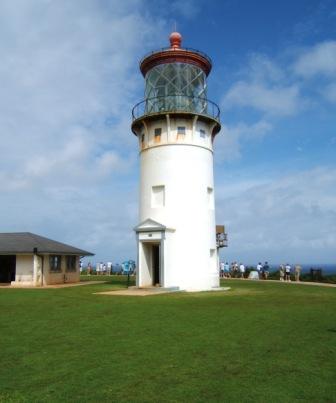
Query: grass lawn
258, 342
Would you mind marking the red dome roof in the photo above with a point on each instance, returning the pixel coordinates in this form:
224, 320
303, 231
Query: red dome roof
175, 54
175, 39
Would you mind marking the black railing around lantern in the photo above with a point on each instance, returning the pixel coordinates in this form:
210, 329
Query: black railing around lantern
176, 103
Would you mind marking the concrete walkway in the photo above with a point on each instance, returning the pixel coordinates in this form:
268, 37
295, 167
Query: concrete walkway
283, 282
144, 292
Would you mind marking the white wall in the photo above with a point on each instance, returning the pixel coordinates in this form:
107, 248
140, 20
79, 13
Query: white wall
24, 269
185, 169
24, 274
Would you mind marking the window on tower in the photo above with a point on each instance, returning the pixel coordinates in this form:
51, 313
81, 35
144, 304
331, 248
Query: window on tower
202, 133
158, 196
157, 135
181, 131
210, 198
142, 141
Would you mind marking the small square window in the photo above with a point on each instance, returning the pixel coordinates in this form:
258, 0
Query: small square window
157, 134
181, 130
158, 196
210, 198
202, 133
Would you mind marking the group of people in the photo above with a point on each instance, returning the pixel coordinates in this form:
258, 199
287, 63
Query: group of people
101, 268
239, 270
261, 271
285, 271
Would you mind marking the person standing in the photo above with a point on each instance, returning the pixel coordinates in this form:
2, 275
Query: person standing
232, 267
236, 269
297, 272
227, 270
89, 269
282, 272
287, 272
221, 270
266, 270
259, 268
242, 270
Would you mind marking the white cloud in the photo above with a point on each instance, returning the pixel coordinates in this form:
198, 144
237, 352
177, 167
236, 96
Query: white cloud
269, 99
319, 59
227, 143
330, 92
264, 86
187, 8
69, 77
288, 218
261, 68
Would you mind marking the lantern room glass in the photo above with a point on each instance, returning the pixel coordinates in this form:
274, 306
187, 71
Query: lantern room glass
176, 86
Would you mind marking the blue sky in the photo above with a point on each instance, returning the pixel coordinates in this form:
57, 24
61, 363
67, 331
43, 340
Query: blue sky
69, 78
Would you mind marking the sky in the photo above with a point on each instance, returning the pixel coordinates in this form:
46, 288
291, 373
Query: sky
69, 77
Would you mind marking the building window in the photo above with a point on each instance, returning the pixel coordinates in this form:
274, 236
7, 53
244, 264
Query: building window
202, 133
71, 263
55, 263
158, 196
157, 135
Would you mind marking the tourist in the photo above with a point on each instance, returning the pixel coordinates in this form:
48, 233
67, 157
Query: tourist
287, 272
221, 269
265, 270
227, 270
259, 268
232, 267
89, 269
282, 272
242, 270
109, 268
297, 272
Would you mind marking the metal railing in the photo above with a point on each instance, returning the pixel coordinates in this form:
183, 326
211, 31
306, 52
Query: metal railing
170, 49
176, 103
222, 240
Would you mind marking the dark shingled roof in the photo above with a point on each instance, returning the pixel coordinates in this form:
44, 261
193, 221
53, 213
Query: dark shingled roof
25, 242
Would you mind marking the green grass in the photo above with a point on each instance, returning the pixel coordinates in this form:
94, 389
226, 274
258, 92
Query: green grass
258, 342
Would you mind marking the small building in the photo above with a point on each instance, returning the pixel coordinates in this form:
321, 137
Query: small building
28, 259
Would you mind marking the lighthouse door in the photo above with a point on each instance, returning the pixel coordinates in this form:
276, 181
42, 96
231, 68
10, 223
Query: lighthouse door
156, 264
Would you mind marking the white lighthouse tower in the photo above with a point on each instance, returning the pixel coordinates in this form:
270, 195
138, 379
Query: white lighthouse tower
176, 125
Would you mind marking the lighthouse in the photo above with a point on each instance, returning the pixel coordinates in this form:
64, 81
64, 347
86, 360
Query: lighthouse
176, 125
